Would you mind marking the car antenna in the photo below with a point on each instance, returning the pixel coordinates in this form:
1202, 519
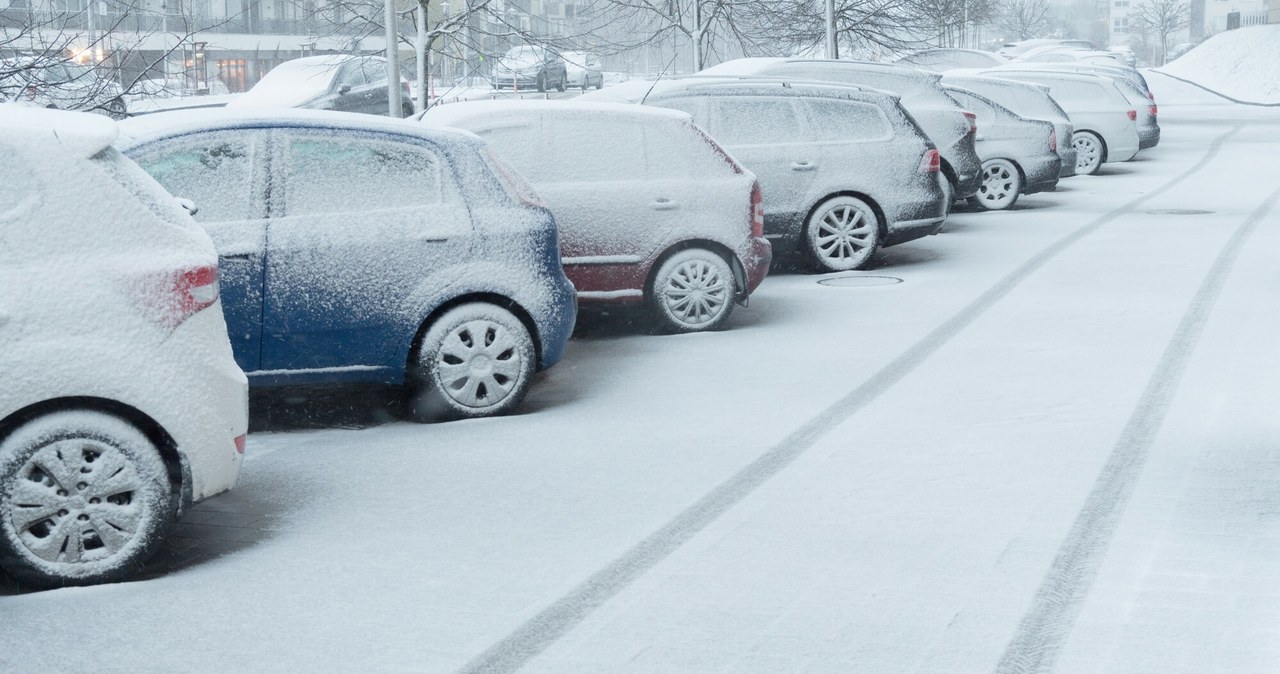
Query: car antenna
655, 82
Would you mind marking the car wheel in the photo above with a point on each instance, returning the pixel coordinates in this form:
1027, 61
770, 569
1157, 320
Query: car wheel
542, 83
406, 110
115, 109
843, 233
84, 498
564, 84
600, 83
585, 83
476, 360
1090, 152
693, 291
1001, 185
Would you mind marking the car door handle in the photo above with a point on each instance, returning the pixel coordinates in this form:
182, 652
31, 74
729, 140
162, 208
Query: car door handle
803, 166
238, 257
663, 204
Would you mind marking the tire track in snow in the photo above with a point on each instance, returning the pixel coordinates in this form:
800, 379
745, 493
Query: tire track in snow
536, 634
1047, 623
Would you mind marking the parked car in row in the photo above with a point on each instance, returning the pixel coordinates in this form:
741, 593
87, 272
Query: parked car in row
362, 250
845, 170
949, 126
122, 404
57, 82
1105, 121
1130, 82
583, 70
1019, 155
339, 82
530, 67
664, 216
941, 59
1026, 99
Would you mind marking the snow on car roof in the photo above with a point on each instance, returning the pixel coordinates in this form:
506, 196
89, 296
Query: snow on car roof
176, 122
754, 66
82, 133
636, 90
447, 115
294, 82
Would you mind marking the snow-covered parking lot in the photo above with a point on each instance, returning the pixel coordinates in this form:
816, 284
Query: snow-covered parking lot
1051, 447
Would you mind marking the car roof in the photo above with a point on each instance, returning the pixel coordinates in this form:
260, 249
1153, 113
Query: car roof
753, 66
84, 134
635, 91
150, 127
976, 76
446, 115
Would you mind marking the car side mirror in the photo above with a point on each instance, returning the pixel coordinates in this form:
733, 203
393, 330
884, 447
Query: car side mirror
342, 90
188, 205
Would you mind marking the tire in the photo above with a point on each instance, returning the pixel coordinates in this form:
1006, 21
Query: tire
476, 360
406, 110
84, 498
842, 234
542, 83
585, 83
693, 291
1001, 185
600, 83
115, 109
1090, 152
563, 85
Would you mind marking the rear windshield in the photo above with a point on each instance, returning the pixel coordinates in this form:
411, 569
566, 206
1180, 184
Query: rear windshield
1032, 103
143, 187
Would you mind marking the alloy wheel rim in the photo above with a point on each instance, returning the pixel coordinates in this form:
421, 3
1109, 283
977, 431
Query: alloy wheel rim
77, 501
696, 293
1086, 153
844, 235
997, 187
479, 363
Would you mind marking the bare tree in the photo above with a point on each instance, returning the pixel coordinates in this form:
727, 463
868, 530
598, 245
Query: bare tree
1158, 20
1023, 19
948, 21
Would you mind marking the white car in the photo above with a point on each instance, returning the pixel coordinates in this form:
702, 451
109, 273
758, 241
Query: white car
122, 404
1105, 121
583, 70
48, 82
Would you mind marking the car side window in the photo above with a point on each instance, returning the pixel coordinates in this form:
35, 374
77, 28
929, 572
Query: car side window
375, 72
848, 121
756, 121
518, 141
359, 175
573, 144
674, 149
214, 171
350, 74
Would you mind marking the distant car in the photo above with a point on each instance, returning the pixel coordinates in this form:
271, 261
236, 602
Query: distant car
1104, 119
122, 404
363, 250
1019, 155
845, 171
583, 70
660, 214
1028, 100
530, 67
50, 82
1014, 49
1130, 82
950, 127
340, 82
948, 58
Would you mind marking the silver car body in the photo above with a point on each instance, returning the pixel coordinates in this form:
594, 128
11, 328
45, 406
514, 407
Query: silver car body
1028, 100
1131, 83
1031, 144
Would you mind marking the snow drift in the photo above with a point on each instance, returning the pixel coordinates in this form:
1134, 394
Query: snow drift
1239, 64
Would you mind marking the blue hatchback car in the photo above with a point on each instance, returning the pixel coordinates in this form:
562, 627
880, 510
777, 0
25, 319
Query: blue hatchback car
354, 249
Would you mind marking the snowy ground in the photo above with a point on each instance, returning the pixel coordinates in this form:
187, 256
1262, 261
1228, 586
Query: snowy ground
1051, 447
1240, 64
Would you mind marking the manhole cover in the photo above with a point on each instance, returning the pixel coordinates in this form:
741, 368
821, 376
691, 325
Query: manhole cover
859, 281
1178, 211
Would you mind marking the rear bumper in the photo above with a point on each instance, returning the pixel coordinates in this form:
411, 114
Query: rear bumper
757, 263
1042, 176
1068, 156
1148, 137
910, 230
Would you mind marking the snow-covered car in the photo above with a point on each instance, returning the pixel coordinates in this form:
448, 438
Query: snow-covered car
845, 171
1014, 49
1026, 99
530, 67
176, 86
358, 249
1105, 121
949, 126
339, 82
661, 215
1130, 82
122, 403
1019, 155
949, 58
583, 70
49, 82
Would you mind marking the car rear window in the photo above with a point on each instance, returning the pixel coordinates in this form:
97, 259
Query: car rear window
848, 121
134, 180
756, 121
674, 148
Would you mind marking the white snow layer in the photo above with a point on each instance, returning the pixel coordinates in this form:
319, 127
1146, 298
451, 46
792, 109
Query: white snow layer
1243, 64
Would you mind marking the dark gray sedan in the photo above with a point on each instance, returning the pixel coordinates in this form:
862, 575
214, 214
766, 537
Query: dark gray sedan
1019, 155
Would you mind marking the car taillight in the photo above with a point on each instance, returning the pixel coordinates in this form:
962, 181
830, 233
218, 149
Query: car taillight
757, 210
931, 162
973, 122
183, 294
240, 444
1133, 115
1152, 109
1053, 139
31, 91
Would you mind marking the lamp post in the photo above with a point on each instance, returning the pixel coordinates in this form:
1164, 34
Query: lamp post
393, 62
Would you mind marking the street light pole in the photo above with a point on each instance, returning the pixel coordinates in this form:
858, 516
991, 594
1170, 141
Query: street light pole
421, 103
393, 62
831, 29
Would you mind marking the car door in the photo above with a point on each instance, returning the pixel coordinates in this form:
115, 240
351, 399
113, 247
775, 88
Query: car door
360, 222
771, 137
349, 88
374, 91
224, 174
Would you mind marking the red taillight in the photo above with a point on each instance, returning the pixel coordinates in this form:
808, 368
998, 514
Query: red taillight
973, 122
757, 210
191, 292
31, 91
1152, 109
240, 444
1053, 139
931, 162
1133, 115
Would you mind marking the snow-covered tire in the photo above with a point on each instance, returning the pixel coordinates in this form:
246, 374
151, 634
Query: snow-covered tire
693, 291
563, 85
84, 498
542, 83
476, 360
843, 233
1001, 185
1090, 152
